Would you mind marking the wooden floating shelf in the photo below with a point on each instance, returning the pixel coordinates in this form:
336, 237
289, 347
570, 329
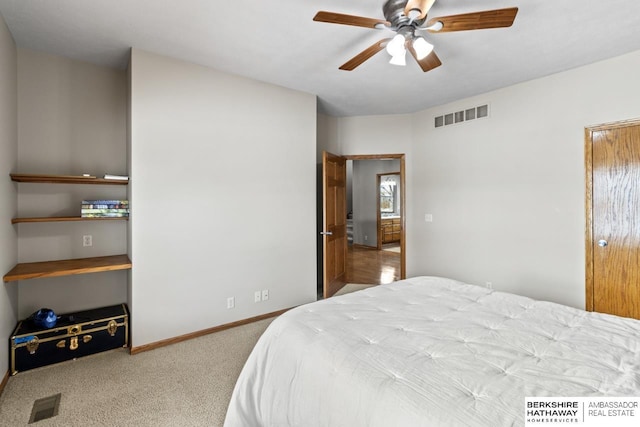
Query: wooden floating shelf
66, 219
65, 179
67, 267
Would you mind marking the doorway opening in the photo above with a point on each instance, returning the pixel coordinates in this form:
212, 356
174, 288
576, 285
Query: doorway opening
374, 223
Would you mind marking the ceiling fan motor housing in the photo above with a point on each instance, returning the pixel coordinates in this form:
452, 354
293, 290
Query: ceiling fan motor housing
394, 13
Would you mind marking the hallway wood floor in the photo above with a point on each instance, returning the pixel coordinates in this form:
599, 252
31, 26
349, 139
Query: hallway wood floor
371, 266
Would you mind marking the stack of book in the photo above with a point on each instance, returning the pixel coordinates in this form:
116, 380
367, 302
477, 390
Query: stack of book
105, 209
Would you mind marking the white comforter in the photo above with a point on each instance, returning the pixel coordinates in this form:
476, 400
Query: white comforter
430, 351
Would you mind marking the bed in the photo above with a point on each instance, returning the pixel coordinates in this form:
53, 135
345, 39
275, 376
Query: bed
430, 351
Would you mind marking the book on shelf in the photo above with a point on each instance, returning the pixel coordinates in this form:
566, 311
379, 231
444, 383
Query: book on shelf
104, 208
106, 215
116, 177
105, 204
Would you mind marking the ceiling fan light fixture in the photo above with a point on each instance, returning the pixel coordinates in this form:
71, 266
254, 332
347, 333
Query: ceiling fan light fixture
422, 47
396, 46
399, 59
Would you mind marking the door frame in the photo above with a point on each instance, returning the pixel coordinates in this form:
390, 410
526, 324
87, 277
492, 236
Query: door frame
588, 161
403, 198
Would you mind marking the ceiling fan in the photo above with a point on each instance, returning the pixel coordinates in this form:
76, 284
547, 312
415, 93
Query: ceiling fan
408, 17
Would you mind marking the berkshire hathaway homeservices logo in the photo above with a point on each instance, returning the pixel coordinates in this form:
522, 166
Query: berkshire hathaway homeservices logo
582, 411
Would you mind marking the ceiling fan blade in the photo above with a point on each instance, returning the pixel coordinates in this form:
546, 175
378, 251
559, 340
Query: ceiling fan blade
358, 21
475, 21
364, 55
421, 5
427, 63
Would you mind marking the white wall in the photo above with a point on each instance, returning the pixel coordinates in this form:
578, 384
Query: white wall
390, 134
507, 192
223, 197
327, 136
71, 120
8, 198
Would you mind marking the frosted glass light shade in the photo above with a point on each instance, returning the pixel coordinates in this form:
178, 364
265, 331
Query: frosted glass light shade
400, 59
422, 47
396, 45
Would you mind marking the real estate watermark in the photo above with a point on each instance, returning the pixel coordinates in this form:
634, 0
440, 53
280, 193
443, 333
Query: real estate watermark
582, 411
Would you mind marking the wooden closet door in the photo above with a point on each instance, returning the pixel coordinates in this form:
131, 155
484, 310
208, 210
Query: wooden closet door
615, 242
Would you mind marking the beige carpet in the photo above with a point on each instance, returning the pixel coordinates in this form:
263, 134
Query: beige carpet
351, 287
185, 384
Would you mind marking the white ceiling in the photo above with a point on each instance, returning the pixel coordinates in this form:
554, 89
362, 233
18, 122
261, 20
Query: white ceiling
276, 41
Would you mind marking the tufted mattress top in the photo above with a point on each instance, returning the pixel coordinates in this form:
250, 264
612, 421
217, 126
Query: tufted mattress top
430, 351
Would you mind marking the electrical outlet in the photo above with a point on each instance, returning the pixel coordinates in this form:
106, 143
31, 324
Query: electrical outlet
231, 302
265, 294
489, 285
366, 238
87, 240
257, 296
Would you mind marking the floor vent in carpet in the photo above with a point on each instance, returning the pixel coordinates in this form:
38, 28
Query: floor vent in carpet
44, 408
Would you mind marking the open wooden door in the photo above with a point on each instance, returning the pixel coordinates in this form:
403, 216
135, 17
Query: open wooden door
334, 242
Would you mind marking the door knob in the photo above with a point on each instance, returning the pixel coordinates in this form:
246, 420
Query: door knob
326, 233
602, 243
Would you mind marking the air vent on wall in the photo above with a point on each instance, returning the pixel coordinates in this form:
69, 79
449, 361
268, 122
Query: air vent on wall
462, 116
